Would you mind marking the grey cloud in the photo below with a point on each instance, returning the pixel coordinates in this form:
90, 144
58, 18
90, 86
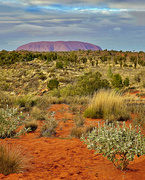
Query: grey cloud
117, 29
129, 4
109, 29
139, 17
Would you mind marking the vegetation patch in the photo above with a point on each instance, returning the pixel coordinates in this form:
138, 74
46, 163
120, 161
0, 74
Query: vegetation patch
49, 127
11, 159
107, 104
32, 125
118, 144
10, 121
86, 85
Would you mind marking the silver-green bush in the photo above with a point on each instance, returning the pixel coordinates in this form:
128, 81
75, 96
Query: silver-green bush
10, 120
118, 144
48, 129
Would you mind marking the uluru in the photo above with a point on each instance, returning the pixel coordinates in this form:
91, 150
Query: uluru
47, 46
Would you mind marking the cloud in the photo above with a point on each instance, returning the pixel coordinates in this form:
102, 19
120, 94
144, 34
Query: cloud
117, 29
64, 4
107, 23
119, 4
138, 17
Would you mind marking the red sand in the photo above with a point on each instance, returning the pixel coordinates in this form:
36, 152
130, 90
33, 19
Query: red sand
62, 157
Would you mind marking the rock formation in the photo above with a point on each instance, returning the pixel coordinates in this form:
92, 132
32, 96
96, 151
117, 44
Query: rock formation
46, 46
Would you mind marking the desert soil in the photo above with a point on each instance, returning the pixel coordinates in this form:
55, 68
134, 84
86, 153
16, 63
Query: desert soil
64, 157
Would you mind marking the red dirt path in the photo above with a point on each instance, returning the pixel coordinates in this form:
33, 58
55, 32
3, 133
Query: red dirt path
62, 157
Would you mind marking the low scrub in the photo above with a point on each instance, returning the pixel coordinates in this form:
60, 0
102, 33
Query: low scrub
139, 110
77, 132
26, 102
109, 105
10, 120
79, 120
5, 99
32, 125
37, 113
85, 85
48, 129
118, 144
11, 159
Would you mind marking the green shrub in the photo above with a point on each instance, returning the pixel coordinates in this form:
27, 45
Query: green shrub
10, 121
119, 145
91, 82
116, 81
59, 65
126, 82
107, 104
52, 84
86, 85
11, 159
110, 74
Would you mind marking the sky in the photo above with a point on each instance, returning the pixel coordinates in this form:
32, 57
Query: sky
110, 24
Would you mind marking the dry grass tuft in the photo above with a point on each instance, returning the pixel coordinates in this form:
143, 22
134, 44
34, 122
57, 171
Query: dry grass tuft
32, 124
11, 159
107, 104
77, 132
79, 120
37, 113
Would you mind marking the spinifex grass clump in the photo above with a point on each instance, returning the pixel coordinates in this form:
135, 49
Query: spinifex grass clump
11, 159
109, 105
79, 130
118, 144
10, 120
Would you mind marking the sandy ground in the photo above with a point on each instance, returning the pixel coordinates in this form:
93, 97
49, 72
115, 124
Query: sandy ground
63, 157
